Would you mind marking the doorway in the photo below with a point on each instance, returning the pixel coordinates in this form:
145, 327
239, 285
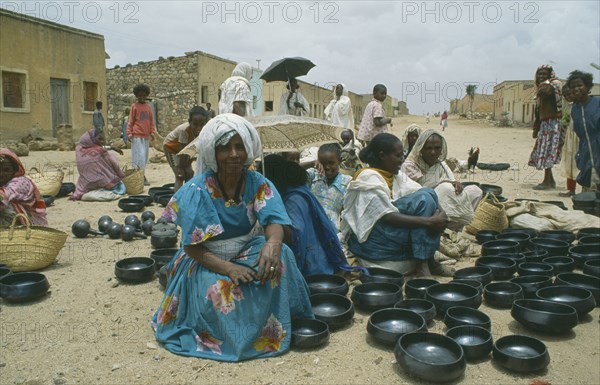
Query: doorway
59, 99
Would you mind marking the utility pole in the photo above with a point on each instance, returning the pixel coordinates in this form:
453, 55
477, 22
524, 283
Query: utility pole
258, 63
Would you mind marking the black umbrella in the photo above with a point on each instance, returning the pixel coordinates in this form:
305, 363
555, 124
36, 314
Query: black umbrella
287, 68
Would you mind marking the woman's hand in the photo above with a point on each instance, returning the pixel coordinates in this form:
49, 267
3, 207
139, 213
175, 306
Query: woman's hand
458, 187
319, 168
240, 274
269, 260
438, 222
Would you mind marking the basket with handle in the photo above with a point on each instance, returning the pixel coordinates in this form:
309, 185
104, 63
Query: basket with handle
49, 182
489, 215
133, 180
28, 247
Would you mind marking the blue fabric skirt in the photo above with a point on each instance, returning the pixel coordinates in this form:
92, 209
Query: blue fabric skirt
203, 314
390, 243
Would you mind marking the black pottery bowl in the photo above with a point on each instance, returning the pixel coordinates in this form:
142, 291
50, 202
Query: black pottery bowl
309, 333
377, 274
66, 189
490, 188
535, 268
560, 264
158, 195
583, 253
376, 295
580, 299
502, 267
152, 191
163, 200
561, 235
584, 199
554, 247
23, 287
146, 198
521, 238
588, 282
531, 284
446, 295
535, 255
478, 273
592, 267
502, 294
335, 310
327, 283
169, 186
5, 271
471, 282
416, 288
483, 236
430, 356
531, 232
130, 205
544, 316
518, 258
163, 278
162, 257
462, 315
496, 247
422, 307
521, 354
589, 239
476, 342
48, 200
135, 269
588, 231
387, 325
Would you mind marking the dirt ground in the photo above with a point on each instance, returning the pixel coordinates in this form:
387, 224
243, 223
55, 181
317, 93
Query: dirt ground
93, 330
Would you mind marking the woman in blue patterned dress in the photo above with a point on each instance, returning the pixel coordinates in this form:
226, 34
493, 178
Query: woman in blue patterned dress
231, 295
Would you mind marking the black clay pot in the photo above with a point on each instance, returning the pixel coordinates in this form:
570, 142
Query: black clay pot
446, 295
148, 215
81, 229
5, 271
309, 333
147, 227
387, 325
162, 256
476, 342
23, 287
544, 316
146, 198
479, 273
128, 233
334, 309
499, 247
135, 269
520, 353
502, 268
583, 253
561, 235
588, 231
114, 230
130, 205
104, 224
133, 221
483, 236
327, 283
554, 247
532, 283
152, 191
521, 238
165, 239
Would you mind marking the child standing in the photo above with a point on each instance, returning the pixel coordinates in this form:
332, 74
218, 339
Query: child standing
326, 182
140, 128
97, 118
570, 145
374, 121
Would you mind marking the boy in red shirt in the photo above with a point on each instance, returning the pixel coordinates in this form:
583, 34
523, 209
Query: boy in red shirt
140, 128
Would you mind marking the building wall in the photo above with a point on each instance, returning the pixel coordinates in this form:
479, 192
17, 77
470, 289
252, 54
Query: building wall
481, 103
41, 50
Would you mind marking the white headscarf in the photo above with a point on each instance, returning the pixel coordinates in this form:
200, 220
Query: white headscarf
218, 127
339, 112
243, 70
412, 128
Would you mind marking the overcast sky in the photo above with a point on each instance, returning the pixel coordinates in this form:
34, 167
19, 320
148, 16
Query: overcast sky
424, 52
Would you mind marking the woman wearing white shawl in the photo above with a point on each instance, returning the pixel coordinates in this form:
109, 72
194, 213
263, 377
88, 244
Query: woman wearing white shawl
339, 109
409, 138
236, 95
225, 278
426, 165
389, 220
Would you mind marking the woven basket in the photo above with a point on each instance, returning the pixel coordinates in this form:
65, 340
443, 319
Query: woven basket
134, 181
48, 182
489, 215
25, 248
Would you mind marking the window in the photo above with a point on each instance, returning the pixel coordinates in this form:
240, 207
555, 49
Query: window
90, 95
13, 89
269, 105
204, 95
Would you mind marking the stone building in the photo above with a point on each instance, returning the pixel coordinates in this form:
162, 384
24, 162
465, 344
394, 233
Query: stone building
51, 75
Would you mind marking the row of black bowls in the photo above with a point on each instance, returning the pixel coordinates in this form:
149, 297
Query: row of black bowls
22, 287
160, 195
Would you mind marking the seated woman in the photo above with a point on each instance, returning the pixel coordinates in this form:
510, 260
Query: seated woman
18, 194
99, 171
231, 295
312, 236
426, 165
409, 138
388, 219
177, 139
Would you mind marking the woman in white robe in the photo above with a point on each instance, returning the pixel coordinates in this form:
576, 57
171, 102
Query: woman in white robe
339, 109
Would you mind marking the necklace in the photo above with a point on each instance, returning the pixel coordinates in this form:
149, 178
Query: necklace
238, 189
